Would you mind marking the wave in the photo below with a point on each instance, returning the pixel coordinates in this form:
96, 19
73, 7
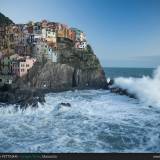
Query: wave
147, 89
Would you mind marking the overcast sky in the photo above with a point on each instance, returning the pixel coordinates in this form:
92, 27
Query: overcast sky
123, 33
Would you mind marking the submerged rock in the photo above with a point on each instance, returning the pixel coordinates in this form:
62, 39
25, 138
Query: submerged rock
65, 104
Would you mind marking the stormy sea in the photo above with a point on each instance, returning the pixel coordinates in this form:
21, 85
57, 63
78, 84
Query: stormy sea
95, 121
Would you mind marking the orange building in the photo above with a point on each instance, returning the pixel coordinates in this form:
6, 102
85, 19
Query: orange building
65, 32
71, 35
61, 33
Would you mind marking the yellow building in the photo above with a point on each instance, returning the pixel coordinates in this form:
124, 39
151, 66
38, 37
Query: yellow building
61, 33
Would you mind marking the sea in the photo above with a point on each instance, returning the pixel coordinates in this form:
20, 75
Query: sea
96, 121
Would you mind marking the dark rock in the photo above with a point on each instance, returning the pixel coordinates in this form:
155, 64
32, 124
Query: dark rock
121, 91
76, 69
22, 98
118, 90
65, 104
111, 82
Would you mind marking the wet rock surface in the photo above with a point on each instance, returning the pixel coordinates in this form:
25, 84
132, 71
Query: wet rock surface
118, 90
22, 98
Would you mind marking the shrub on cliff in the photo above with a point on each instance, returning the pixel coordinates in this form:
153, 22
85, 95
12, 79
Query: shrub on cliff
5, 20
89, 49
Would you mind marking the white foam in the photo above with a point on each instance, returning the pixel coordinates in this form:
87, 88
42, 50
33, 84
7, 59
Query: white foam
97, 121
146, 88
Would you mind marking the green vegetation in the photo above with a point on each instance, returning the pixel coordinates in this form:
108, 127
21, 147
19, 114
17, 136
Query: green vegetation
4, 20
89, 49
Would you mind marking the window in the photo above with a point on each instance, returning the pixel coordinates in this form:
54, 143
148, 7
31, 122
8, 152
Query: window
27, 65
22, 70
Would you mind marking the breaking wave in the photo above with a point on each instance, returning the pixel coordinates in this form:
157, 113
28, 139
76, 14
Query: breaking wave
147, 89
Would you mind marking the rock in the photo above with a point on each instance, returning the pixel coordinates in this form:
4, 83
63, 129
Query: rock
51, 76
76, 69
22, 98
65, 104
118, 90
110, 82
121, 91
150, 106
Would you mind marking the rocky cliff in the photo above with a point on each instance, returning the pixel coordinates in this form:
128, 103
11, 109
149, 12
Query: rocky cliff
75, 69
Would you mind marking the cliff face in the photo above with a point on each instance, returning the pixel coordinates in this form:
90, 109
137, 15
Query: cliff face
50, 76
76, 69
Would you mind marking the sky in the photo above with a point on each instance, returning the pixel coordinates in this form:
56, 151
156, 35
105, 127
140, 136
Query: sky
122, 33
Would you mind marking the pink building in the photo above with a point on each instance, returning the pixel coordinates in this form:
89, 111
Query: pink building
20, 67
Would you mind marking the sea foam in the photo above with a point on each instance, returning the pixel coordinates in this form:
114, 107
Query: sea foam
147, 89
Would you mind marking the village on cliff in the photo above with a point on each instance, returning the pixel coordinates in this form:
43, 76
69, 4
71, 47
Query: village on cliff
22, 45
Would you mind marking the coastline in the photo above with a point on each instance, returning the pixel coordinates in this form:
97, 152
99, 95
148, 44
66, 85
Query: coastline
31, 97
26, 97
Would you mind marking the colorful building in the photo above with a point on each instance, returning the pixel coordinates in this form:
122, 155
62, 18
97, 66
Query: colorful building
21, 66
80, 35
6, 64
51, 36
37, 28
43, 50
2, 38
81, 45
52, 55
23, 49
71, 35
52, 25
44, 23
65, 32
40, 40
